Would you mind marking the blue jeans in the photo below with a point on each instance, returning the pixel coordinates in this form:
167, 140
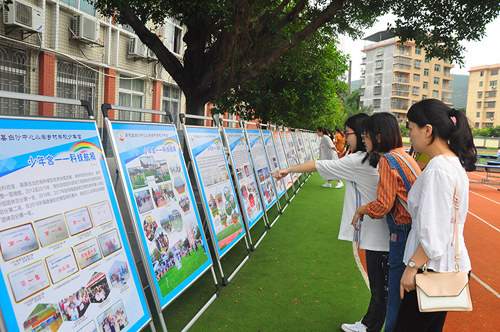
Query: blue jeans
399, 234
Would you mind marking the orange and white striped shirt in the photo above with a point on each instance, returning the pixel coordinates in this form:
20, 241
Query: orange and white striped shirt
390, 186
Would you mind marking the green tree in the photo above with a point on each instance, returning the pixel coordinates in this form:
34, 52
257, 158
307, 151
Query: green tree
229, 42
156, 254
487, 132
299, 90
351, 105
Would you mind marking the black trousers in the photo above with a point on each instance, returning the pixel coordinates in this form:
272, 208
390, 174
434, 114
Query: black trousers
376, 265
411, 319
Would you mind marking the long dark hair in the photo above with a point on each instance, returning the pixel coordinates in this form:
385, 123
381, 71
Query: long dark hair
323, 130
355, 122
338, 130
385, 125
449, 125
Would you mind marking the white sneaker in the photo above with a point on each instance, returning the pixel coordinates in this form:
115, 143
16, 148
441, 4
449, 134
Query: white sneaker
327, 185
356, 327
339, 185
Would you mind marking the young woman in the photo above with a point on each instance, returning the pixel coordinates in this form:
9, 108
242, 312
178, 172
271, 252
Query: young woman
359, 169
327, 152
444, 135
339, 142
398, 172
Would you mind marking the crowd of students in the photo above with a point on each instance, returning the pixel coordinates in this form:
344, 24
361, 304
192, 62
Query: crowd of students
399, 228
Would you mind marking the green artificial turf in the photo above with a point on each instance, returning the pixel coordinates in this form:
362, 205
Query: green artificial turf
299, 278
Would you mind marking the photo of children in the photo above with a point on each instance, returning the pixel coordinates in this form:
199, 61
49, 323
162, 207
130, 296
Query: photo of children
143, 201
98, 288
149, 226
137, 177
45, 317
165, 221
162, 174
148, 164
184, 203
74, 305
118, 274
113, 319
161, 240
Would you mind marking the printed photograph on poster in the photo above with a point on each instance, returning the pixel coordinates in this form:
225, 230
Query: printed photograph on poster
44, 317
143, 201
185, 203
149, 227
78, 220
137, 177
28, 280
87, 253
74, 305
51, 230
163, 194
180, 185
61, 265
118, 274
148, 165
110, 242
113, 319
97, 288
90, 327
101, 213
162, 174
17, 241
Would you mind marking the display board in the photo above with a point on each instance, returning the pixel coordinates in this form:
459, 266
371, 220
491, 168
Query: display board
299, 146
282, 160
289, 152
219, 197
262, 167
247, 184
66, 263
307, 146
273, 161
162, 202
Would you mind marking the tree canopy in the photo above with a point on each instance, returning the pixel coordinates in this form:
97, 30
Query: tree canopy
229, 42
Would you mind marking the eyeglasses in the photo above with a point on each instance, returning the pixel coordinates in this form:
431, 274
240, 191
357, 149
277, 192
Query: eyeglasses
347, 134
407, 125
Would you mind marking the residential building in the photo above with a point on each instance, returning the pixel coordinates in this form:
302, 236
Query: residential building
482, 109
395, 76
64, 48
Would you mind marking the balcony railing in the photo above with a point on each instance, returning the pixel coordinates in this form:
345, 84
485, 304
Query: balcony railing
401, 79
399, 93
402, 66
447, 87
446, 99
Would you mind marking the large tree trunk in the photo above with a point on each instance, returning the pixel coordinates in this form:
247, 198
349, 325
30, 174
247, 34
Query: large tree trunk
195, 106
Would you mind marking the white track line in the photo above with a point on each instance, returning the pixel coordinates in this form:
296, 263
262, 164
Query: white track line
485, 285
358, 263
487, 223
485, 197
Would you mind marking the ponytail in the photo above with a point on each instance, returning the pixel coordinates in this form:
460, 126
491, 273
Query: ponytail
449, 125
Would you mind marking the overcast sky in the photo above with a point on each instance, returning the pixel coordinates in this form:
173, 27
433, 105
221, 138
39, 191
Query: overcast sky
485, 52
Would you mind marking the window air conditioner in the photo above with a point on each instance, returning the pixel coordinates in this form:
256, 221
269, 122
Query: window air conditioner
378, 82
494, 87
24, 15
151, 54
85, 28
137, 48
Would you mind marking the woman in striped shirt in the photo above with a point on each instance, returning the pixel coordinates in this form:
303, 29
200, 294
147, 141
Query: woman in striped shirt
398, 171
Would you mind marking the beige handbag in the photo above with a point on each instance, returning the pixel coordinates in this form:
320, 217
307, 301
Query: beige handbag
445, 291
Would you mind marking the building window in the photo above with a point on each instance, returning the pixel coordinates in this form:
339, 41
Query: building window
436, 80
417, 63
489, 104
488, 124
380, 51
83, 5
379, 64
426, 72
476, 125
490, 115
378, 78
418, 50
435, 94
377, 90
480, 94
493, 84
478, 114
131, 94
478, 104
413, 102
490, 94
416, 77
171, 101
172, 34
376, 103
482, 73
437, 67
494, 72
15, 72
425, 85
480, 83
75, 81
427, 60
416, 90
424, 97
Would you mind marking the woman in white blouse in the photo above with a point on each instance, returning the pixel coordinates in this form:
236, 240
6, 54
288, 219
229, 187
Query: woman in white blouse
444, 135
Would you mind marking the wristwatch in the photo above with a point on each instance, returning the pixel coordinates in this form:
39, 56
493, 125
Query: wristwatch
413, 265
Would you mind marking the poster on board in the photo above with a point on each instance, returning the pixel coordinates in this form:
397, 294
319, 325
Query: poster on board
273, 161
307, 146
292, 148
65, 260
299, 148
162, 199
260, 161
289, 153
217, 188
282, 160
245, 176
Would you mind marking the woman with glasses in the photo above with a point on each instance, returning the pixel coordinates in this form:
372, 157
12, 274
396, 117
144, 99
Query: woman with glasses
398, 171
359, 169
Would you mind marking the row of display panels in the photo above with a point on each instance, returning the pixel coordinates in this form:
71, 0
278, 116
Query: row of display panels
66, 263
